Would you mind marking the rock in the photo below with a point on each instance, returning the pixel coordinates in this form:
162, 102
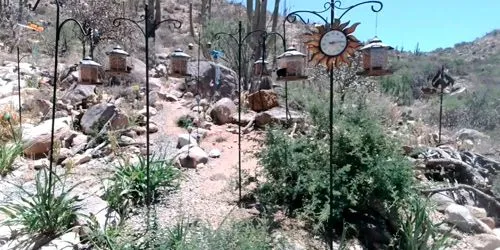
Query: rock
223, 110
64, 153
78, 159
245, 118
484, 242
104, 215
41, 164
190, 156
68, 240
96, 116
36, 140
470, 134
152, 111
263, 100
126, 140
186, 139
199, 133
214, 153
168, 97
461, 217
139, 130
442, 201
119, 121
490, 222
477, 211
153, 128
78, 93
79, 139
277, 116
228, 79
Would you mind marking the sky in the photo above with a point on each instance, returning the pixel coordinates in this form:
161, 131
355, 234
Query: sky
430, 23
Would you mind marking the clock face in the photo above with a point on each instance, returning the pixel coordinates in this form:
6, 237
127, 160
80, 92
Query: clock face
333, 43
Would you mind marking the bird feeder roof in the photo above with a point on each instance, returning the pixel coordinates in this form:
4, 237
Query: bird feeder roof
292, 52
117, 50
179, 53
261, 61
376, 43
87, 61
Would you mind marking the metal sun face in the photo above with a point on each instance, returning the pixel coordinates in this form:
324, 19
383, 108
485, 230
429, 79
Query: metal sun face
333, 43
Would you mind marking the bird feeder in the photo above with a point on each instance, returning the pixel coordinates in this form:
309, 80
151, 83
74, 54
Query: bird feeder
291, 65
117, 60
260, 67
375, 55
178, 62
89, 71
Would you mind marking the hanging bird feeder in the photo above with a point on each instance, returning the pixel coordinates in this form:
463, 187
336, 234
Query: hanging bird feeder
117, 59
179, 62
291, 65
375, 55
89, 71
260, 67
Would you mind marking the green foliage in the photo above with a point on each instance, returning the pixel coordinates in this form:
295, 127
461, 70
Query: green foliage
400, 86
130, 184
478, 110
417, 231
45, 212
368, 169
185, 121
8, 153
244, 235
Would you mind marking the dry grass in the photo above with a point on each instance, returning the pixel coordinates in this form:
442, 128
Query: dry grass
8, 128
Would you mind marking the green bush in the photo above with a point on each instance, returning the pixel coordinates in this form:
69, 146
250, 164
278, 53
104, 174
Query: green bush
130, 184
8, 153
46, 212
369, 169
400, 86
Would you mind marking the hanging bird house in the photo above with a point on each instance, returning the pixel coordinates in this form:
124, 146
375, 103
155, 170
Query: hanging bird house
375, 55
117, 59
291, 65
89, 71
260, 67
178, 63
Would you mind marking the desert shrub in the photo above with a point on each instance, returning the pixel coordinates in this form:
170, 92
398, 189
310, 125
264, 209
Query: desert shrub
368, 170
8, 153
47, 212
185, 121
129, 184
478, 110
400, 87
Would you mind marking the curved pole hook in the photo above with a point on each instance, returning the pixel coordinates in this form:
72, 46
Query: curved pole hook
177, 24
118, 21
278, 35
77, 23
263, 33
217, 36
338, 5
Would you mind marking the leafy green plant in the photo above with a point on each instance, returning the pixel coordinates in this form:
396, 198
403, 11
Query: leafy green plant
130, 183
185, 121
107, 239
8, 153
369, 169
417, 231
46, 212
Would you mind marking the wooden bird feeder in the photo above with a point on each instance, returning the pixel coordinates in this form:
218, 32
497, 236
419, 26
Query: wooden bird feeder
375, 55
260, 67
118, 60
291, 65
179, 61
89, 71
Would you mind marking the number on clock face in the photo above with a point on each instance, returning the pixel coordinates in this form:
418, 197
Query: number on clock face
333, 43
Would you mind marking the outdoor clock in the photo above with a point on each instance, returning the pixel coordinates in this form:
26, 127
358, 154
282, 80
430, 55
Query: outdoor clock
333, 43
332, 46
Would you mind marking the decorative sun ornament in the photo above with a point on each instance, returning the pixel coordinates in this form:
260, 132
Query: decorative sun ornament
332, 47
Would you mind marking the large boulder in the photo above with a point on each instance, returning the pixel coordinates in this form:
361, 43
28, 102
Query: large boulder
277, 115
79, 92
223, 110
263, 100
36, 140
206, 76
96, 117
190, 156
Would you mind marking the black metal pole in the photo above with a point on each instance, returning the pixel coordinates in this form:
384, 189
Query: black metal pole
148, 179
19, 89
330, 193
239, 109
440, 112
